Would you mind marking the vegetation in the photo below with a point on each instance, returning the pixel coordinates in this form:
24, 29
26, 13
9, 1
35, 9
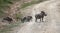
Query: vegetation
5, 4
31, 3
18, 16
8, 28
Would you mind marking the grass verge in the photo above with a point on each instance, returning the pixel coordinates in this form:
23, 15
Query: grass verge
8, 28
31, 3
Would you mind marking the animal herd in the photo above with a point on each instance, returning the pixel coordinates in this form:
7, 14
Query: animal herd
28, 18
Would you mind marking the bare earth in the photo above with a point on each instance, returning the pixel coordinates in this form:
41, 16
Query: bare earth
51, 22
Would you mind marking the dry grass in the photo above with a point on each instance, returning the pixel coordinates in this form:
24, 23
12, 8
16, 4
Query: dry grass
6, 27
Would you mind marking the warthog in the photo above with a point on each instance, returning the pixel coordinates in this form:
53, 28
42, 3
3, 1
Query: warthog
7, 19
26, 19
40, 16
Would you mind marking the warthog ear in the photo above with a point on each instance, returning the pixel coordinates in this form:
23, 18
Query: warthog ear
45, 14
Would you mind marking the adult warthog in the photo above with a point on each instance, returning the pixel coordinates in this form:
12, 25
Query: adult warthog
7, 19
40, 16
26, 19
